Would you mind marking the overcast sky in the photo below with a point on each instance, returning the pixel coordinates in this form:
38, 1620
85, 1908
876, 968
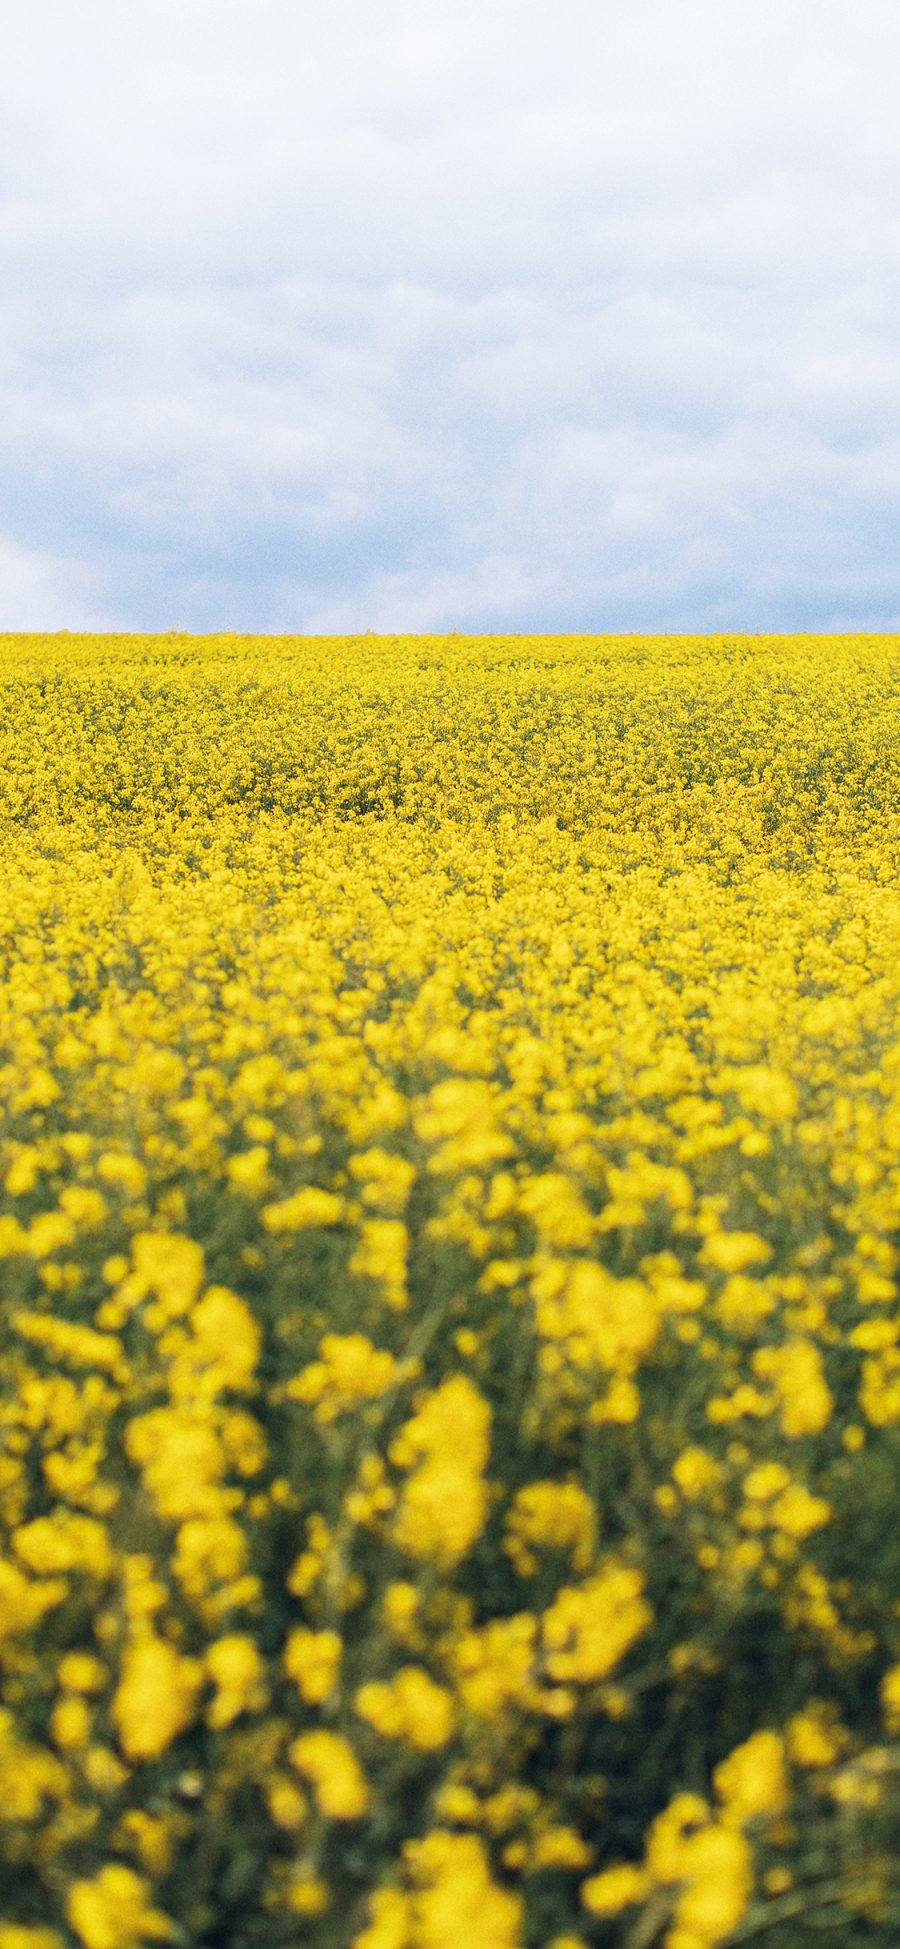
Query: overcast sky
325, 315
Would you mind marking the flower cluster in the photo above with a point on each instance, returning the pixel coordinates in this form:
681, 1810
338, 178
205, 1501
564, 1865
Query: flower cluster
450, 1324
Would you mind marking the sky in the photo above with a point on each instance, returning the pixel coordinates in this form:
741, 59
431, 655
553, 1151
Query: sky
319, 316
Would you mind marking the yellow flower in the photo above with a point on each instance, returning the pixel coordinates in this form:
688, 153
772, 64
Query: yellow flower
400, 1606
719, 1878
386, 1179
248, 1170
711, 1862
444, 1502
377, 1001
70, 1723
286, 1801
312, 1659
733, 1251
111, 1911
560, 1847
589, 1627
103, 1770
225, 1338
596, 1319
797, 1513
237, 1669
349, 1370
766, 1481
696, 1472
210, 1561
29, 1774
120, 1167
799, 1377
65, 1541
769, 1092
668, 1842
382, 1253
557, 1210
753, 1779
150, 1836
20, 1935
410, 1707
80, 1671
74, 1344
22, 1602
815, 1736
890, 1698
306, 1893
181, 1458
169, 1265
456, 1900
389, 1928
328, 1761
494, 1666
306, 1210
550, 1515
155, 1699
616, 1888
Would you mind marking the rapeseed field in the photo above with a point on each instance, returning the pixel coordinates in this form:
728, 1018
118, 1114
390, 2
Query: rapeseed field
450, 1330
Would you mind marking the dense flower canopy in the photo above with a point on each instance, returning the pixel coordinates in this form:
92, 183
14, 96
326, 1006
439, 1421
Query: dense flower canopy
450, 1341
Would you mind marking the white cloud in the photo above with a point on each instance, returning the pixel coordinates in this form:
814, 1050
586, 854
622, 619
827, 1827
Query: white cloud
40, 591
562, 316
497, 585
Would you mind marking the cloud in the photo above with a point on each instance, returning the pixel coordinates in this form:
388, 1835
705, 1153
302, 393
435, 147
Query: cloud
343, 316
36, 589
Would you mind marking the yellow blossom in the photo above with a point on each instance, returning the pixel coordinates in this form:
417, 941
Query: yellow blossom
444, 1501
451, 1153
308, 1208
733, 1251
616, 1888
312, 1659
456, 1899
753, 1779
391, 1919
815, 1736
234, 1664
799, 1376
696, 1472
890, 1698
70, 1723
556, 1515
21, 1935
410, 1707
328, 1761
112, 1911
155, 1698
349, 1370
307, 1894
589, 1628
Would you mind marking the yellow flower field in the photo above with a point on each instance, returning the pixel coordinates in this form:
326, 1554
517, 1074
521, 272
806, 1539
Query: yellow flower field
450, 1330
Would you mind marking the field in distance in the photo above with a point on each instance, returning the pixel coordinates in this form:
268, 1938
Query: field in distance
449, 1314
